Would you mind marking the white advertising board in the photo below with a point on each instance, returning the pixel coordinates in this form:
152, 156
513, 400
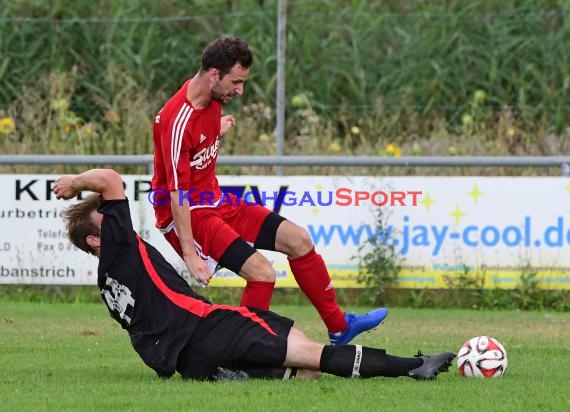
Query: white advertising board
488, 227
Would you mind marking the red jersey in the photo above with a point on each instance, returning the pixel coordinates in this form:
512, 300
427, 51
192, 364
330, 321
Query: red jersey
186, 143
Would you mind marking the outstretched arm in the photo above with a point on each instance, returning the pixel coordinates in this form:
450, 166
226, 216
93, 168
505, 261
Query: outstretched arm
107, 182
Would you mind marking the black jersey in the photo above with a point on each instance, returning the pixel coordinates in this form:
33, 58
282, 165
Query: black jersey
144, 293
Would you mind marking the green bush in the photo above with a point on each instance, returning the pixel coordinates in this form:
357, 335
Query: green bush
378, 262
484, 77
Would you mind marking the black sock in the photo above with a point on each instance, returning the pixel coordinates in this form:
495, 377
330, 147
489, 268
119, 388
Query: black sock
353, 361
396, 366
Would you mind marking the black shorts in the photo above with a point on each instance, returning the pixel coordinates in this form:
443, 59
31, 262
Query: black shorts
237, 338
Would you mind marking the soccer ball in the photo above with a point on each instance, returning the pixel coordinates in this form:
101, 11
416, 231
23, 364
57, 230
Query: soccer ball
482, 357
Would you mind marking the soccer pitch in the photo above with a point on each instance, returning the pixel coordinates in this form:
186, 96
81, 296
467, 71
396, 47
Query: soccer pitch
75, 357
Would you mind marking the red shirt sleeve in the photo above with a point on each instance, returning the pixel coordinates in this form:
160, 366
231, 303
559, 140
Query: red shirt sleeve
174, 136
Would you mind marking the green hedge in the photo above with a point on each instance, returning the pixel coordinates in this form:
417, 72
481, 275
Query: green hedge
410, 64
558, 300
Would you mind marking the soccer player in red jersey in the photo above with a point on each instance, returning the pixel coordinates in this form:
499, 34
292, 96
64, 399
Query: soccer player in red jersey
208, 228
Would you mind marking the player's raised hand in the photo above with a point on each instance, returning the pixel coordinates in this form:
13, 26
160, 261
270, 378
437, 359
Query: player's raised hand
63, 187
226, 123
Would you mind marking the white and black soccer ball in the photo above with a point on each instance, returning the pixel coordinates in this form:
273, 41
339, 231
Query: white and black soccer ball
482, 357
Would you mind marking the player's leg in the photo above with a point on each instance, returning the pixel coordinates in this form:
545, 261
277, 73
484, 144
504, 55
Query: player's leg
218, 242
260, 281
242, 258
257, 226
355, 361
270, 231
314, 280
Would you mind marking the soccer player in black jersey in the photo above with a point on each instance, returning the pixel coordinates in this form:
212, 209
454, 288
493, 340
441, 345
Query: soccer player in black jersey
173, 329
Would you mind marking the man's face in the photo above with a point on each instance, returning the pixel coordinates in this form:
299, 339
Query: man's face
97, 219
94, 241
224, 89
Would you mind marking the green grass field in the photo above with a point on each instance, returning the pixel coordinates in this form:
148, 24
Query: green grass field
74, 357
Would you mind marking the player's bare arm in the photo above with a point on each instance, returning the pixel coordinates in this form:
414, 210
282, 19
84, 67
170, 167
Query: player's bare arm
107, 182
183, 223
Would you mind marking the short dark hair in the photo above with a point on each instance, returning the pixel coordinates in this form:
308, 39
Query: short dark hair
79, 224
224, 53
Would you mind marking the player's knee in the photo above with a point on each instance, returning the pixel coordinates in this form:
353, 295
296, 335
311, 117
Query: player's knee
265, 274
293, 240
302, 243
258, 268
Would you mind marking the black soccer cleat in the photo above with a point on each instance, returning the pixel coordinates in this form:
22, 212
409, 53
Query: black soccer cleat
225, 374
432, 365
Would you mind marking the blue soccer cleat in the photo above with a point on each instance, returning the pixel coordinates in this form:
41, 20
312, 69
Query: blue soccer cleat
358, 324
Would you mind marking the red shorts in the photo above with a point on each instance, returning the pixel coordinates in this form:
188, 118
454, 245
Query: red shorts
215, 228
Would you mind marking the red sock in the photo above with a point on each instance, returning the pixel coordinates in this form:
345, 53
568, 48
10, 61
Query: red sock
314, 280
257, 293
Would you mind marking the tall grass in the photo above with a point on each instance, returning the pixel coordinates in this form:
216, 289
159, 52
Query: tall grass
446, 78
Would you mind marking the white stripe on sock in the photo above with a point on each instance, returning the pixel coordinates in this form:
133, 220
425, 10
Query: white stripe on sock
357, 361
